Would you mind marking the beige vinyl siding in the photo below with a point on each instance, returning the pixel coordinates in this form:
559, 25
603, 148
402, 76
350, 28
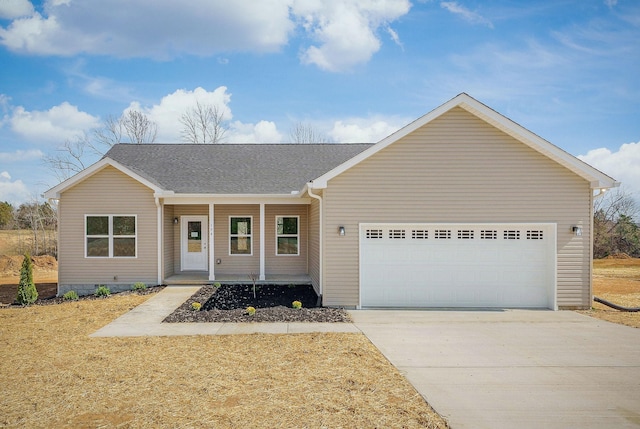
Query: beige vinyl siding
285, 264
457, 168
314, 244
178, 211
168, 243
236, 264
108, 192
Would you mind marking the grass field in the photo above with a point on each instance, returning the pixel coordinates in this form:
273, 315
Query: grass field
53, 375
618, 281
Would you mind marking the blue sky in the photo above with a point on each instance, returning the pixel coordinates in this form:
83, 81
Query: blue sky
356, 70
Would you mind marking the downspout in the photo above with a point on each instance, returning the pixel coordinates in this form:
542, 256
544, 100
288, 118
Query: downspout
159, 239
321, 241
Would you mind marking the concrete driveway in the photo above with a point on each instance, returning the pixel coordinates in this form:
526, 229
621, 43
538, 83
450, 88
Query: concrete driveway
514, 368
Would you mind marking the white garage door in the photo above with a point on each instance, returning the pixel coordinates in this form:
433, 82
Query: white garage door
458, 265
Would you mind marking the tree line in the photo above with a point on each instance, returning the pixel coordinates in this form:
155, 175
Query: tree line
616, 228
35, 224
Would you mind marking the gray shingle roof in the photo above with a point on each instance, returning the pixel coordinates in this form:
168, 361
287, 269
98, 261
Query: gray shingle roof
232, 168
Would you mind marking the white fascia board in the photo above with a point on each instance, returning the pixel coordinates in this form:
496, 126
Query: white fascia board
178, 199
54, 193
492, 117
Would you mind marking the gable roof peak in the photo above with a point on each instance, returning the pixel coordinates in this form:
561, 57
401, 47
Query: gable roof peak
463, 100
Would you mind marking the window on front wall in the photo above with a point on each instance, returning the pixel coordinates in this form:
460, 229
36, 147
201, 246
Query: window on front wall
287, 235
240, 235
110, 236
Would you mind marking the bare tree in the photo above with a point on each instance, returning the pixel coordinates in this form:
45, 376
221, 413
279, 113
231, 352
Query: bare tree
132, 127
306, 133
139, 128
70, 158
73, 157
203, 123
615, 225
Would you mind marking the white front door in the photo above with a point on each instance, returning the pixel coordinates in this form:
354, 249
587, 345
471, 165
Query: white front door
193, 238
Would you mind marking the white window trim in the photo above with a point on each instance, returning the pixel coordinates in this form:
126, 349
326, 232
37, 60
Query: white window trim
110, 236
297, 235
250, 235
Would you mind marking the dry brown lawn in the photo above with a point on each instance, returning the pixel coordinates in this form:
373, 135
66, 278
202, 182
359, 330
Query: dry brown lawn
53, 375
617, 280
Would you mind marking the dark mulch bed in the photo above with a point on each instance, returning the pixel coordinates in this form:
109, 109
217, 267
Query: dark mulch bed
228, 303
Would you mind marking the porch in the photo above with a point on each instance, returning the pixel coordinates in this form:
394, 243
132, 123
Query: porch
198, 278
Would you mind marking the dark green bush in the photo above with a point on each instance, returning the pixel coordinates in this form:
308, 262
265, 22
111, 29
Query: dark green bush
27, 293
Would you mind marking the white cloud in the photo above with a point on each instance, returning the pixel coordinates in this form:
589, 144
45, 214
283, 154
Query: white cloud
465, 13
345, 30
13, 192
622, 164
56, 125
363, 130
171, 107
262, 132
159, 29
12, 9
20, 155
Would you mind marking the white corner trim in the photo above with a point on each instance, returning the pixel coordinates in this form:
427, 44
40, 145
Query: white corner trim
55, 192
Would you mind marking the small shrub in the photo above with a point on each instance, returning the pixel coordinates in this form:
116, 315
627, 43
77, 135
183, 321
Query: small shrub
27, 293
102, 291
139, 286
217, 285
251, 311
296, 304
72, 295
196, 306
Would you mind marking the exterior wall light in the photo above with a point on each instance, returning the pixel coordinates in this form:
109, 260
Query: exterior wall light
577, 231
175, 220
341, 231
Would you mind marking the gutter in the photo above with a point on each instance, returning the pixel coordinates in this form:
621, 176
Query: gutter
321, 241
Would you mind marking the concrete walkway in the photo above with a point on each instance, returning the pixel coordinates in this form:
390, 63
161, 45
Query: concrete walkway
514, 369
146, 320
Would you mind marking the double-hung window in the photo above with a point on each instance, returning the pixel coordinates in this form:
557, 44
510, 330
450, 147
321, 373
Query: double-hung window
240, 235
110, 236
287, 235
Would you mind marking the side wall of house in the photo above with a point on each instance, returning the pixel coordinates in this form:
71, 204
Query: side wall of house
236, 264
168, 243
457, 168
286, 264
108, 192
314, 244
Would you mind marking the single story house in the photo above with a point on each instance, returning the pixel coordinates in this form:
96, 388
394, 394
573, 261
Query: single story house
461, 208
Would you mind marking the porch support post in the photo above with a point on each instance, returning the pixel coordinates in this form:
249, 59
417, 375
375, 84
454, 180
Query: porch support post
212, 260
262, 275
